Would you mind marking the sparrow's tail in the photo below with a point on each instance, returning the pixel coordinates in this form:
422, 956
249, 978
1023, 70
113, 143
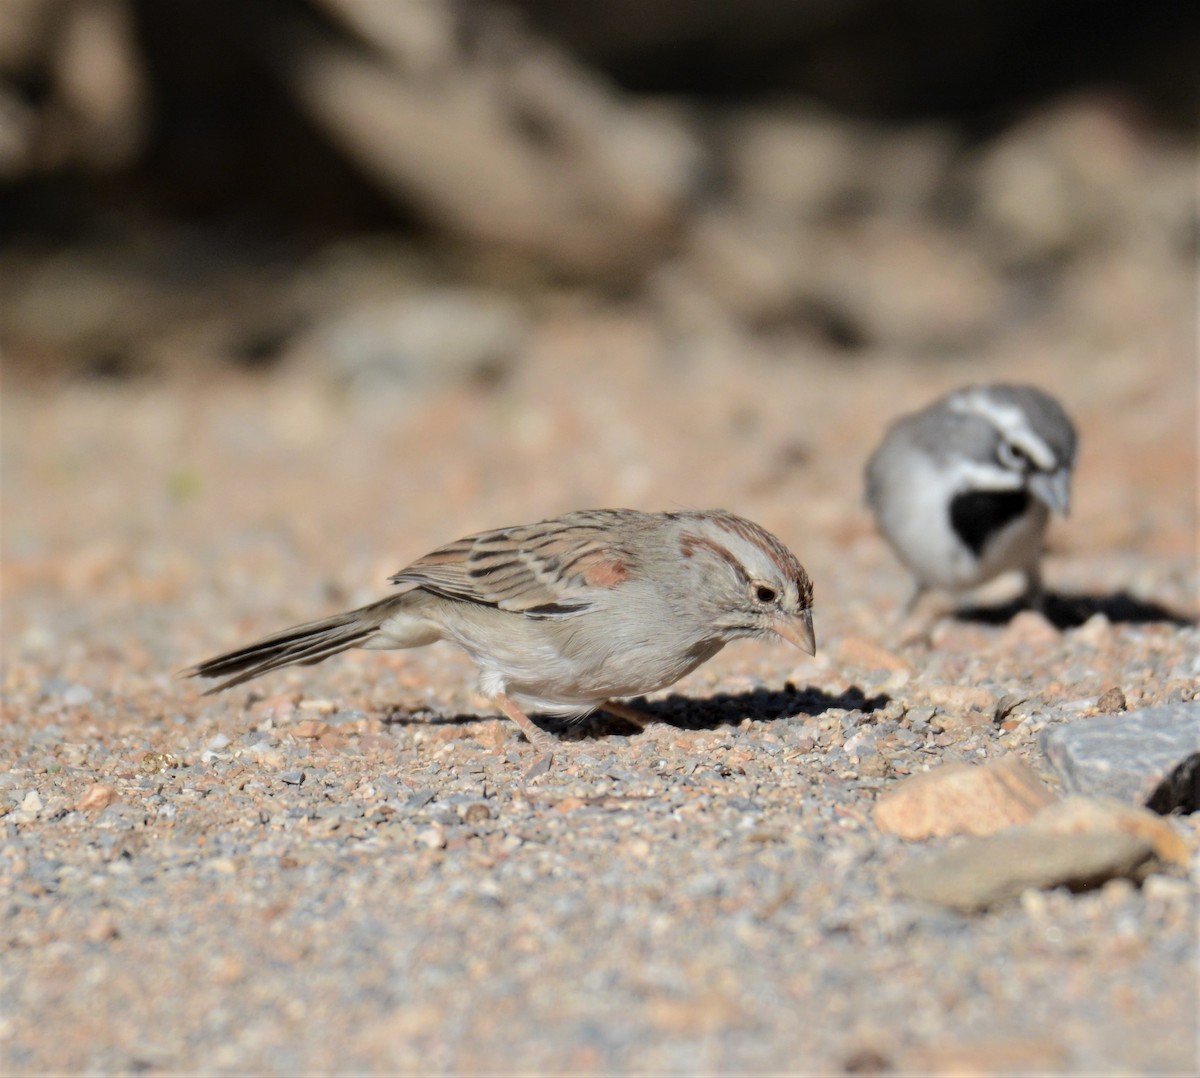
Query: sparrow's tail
304, 644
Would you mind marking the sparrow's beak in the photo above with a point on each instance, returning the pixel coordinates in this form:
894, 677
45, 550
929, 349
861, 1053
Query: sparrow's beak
797, 630
1053, 488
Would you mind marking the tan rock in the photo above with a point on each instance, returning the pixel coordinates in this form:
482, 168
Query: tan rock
963, 799
96, 797
1029, 629
965, 722
1079, 815
310, 728
959, 697
102, 928
988, 871
1096, 632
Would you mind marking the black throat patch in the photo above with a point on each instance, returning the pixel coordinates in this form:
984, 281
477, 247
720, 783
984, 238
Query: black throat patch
976, 515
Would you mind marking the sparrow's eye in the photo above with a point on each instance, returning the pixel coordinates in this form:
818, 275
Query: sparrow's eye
765, 594
1013, 458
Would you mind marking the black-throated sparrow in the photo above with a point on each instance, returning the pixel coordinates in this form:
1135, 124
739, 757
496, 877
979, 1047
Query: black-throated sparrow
963, 489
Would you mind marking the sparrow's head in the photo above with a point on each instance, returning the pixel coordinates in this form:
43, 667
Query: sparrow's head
1020, 439
758, 587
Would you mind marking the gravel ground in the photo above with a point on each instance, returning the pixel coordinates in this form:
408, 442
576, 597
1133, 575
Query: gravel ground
345, 869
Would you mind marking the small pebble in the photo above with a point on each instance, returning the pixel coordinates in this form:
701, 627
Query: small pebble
433, 838
1029, 629
96, 797
102, 928
310, 728
1096, 632
77, 696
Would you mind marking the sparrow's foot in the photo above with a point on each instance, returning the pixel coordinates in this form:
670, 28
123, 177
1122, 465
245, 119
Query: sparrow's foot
921, 616
546, 744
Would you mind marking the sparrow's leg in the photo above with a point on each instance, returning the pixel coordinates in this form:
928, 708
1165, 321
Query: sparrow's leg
538, 738
914, 601
925, 609
1035, 592
629, 714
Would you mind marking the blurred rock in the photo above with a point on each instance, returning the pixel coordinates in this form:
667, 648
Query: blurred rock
1096, 632
1149, 757
886, 282
956, 697
428, 338
789, 165
101, 928
749, 266
1073, 175
91, 105
18, 129
986, 872
1029, 629
420, 38
32, 804
514, 144
905, 284
96, 797
963, 799
24, 28
1077, 815
101, 86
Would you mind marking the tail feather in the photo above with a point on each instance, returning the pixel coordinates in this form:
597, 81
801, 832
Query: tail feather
301, 644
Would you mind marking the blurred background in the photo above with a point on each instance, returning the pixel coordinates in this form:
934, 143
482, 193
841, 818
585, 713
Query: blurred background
394, 191
293, 290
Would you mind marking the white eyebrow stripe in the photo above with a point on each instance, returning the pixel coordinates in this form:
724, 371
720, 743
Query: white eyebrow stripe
1010, 421
989, 477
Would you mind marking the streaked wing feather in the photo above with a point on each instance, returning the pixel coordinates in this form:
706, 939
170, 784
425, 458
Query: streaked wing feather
554, 569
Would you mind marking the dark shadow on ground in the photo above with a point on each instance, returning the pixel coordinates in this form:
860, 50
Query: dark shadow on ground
682, 712
1070, 611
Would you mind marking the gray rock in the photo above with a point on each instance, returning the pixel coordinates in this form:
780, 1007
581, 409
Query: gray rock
1150, 757
335, 811
988, 871
121, 817
438, 336
444, 815
419, 799
385, 787
292, 778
